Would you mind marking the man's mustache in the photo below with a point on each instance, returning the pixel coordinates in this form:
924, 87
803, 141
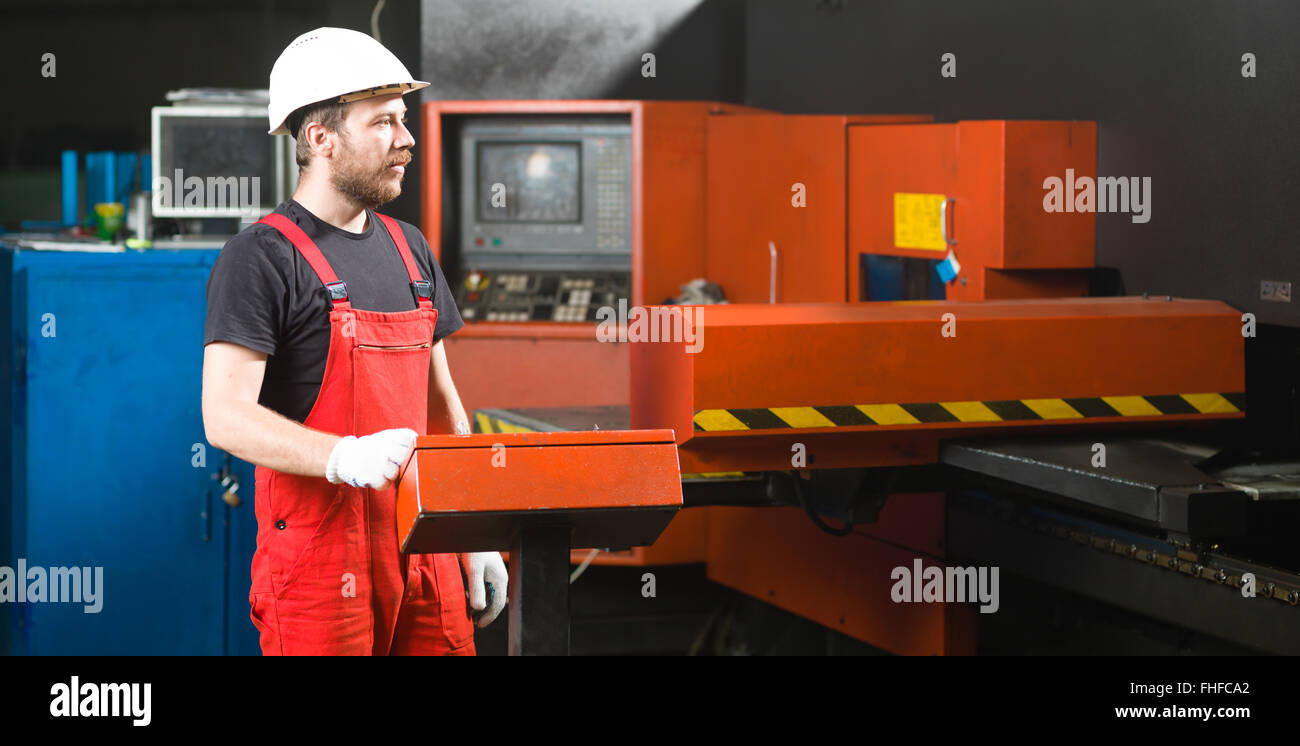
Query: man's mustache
401, 162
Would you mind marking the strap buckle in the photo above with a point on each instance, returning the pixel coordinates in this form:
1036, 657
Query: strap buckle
337, 290
421, 289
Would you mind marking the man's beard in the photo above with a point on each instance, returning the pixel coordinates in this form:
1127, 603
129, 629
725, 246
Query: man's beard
364, 186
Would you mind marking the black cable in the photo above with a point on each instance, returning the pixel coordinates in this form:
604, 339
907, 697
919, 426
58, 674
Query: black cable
816, 519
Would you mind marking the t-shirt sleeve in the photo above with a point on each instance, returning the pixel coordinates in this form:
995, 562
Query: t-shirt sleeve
248, 294
449, 320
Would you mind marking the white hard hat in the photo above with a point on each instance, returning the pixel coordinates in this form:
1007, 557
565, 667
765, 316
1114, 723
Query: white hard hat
333, 64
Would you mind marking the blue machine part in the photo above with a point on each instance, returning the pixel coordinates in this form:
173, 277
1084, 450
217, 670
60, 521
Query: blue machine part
105, 464
100, 180
124, 181
110, 177
70, 214
884, 278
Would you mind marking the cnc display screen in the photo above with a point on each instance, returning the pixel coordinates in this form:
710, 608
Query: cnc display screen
529, 182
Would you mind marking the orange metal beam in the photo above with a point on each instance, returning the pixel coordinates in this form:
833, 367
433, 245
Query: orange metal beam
900, 376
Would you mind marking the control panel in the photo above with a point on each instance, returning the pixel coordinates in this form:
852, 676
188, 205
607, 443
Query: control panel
546, 192
516, 295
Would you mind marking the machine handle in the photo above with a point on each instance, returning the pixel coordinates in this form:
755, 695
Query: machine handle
771, 285
943, 220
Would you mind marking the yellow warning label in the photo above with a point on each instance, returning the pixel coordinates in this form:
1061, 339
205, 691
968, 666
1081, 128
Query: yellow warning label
916, 221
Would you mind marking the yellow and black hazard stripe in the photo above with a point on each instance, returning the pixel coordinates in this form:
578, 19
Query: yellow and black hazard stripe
484, 423
1006, 410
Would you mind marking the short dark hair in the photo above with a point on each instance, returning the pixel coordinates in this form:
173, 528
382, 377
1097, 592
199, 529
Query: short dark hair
331, 115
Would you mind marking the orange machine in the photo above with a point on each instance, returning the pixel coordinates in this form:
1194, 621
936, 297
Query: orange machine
538, 363
792, 209
825, 386
803, 223
548, 363
829, 191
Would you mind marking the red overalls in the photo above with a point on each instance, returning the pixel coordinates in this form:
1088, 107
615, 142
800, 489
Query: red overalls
328, 577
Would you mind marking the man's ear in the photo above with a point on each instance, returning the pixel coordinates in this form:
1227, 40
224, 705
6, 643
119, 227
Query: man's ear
320, 139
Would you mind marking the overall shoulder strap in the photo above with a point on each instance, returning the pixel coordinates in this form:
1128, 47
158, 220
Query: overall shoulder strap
420, 287
312, 253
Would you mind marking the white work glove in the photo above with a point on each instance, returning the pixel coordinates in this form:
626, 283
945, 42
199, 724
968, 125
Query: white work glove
483, 569
371, 460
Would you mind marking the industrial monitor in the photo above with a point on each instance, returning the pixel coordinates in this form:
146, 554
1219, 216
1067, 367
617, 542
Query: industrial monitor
216, 161
545, 216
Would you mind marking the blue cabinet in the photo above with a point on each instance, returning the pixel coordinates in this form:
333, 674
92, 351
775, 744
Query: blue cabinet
105, 464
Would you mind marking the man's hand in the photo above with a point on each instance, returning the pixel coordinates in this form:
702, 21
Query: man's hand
481, 570
371, 460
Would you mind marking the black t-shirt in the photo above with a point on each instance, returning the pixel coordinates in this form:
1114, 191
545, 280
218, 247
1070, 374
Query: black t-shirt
262, 294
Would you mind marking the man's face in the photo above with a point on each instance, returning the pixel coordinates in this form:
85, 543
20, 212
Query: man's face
370, 161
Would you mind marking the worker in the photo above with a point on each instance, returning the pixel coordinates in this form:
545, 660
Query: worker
323, 359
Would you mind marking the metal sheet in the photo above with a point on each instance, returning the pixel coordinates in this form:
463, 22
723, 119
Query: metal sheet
1152, 480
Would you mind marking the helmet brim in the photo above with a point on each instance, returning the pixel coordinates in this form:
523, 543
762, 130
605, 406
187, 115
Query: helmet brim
347, 98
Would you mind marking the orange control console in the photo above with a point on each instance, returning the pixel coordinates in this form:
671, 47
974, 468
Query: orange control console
470, 493
538, 495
